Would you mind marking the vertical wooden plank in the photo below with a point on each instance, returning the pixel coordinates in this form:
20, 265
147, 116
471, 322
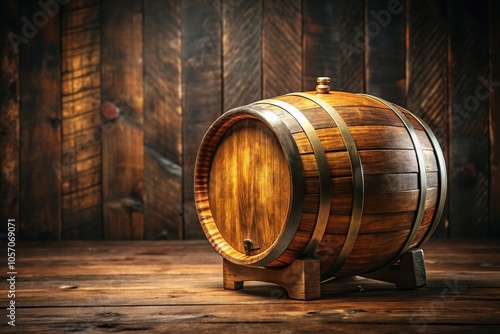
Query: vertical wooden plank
282, 47
122, 150
353, 47
40, 124
242, 52
385, 31
162, 120
9, 115
494, 89
202, 95
428, 71
321, 42
80, 169
469, 165
334, 44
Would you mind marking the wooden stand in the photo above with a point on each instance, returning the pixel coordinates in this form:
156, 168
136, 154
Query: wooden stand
408, 273
302, 279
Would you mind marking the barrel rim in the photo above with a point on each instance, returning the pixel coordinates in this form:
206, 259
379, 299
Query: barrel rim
203, 166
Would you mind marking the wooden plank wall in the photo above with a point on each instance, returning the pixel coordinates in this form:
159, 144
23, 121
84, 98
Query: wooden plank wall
385, 54
242, 36
40, 124
162, 120
171, 68
469, 143
122, 158
80, 170
281, 47
494, 113
427, 71
9, 116
201, 91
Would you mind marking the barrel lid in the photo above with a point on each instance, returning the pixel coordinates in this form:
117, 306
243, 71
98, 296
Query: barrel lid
249, 186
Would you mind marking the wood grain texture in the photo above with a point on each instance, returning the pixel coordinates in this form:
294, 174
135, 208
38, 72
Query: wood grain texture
242, 52
282, 47
385, 30
352, 60
122, 150
106, 287
321, 42
469, 151
494, 119
249, 186
9, 116
334, 44
202, 91
162, 120
40, 130
225, 319
427, 79
427, 72
81, 167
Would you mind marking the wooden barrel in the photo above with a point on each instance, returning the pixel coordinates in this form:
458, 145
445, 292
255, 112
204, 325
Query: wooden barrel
347, 178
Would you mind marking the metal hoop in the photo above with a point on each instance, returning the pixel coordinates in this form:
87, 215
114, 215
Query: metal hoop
357, 182
325, 199
421, 170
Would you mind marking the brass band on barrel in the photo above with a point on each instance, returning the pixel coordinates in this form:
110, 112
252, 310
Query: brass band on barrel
291, 152
325, 190
421, 170
443, 187
357, 182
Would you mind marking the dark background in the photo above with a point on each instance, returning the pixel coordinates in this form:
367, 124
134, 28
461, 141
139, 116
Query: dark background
173, 66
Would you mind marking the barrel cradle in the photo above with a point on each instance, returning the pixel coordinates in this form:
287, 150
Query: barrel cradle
349, 179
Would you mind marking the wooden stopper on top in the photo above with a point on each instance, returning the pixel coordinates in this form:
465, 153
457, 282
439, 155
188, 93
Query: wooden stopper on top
323, 87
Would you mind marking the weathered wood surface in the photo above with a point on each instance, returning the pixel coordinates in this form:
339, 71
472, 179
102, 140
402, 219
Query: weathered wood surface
40, 128
333, 44
201, 91
80, 169
281, 47
385, 38
176, 286
9, 116
494, 118
122, 147
162, 120
352, 60
469, 145
427, 72
321, 42
242, 52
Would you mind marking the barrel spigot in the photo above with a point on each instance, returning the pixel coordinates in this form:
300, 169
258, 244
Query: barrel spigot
248, 246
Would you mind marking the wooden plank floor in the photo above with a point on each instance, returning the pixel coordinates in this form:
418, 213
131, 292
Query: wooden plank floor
176, 286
